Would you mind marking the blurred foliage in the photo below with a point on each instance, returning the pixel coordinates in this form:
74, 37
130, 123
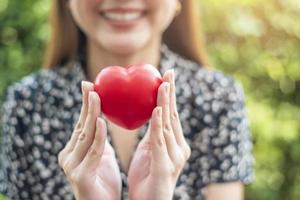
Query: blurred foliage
258, 42
23, 31
2, 197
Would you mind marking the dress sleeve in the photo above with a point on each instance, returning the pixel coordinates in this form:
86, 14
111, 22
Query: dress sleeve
224, 144
12, 154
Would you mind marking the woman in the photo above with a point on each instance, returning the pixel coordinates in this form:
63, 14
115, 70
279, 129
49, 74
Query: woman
196, 145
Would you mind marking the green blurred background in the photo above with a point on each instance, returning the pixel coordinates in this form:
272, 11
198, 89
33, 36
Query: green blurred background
256, 41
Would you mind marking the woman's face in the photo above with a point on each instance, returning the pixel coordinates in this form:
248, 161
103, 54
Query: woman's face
123, 26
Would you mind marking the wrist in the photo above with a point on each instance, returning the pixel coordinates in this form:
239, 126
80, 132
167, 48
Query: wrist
87, 196
159, 194
152, 197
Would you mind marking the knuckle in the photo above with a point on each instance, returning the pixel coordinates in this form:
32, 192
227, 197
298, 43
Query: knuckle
94, 152
158, 126
78, 125
77, 131
66, 167
80, 180
187, 151
60, 158
160, 141
74, 176
174, 115
167, 128
82, 136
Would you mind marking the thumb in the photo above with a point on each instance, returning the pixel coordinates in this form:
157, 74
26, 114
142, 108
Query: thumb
95, 152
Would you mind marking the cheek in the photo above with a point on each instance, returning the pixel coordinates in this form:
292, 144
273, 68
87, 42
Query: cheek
84, 13
163, 12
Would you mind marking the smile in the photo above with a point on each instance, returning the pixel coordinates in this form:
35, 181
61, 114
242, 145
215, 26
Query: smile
122, 16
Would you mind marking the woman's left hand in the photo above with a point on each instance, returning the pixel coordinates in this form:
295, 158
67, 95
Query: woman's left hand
162, 153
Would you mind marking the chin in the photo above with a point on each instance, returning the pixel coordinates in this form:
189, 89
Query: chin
124, 48
124, 44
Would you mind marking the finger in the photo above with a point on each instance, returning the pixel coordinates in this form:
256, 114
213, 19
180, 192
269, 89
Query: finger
146, 138
158, 143
175, 121
63, 154
93, 157
163, 101
87, 135
86, 87
108, 150
144, 143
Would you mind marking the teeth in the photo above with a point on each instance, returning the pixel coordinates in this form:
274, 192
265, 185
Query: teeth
122, 16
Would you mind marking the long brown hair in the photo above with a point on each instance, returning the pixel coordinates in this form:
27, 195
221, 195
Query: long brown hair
183, 36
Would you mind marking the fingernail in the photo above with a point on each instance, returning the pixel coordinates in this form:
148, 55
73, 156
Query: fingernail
173, 76
86, 84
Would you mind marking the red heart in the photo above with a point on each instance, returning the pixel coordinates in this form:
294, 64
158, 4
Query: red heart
128, 96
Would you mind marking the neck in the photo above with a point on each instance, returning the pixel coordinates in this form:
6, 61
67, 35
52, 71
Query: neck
98, 58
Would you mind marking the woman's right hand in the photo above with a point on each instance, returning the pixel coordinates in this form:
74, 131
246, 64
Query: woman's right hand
88, 160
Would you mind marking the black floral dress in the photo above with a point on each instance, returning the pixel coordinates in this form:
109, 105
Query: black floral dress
40, 112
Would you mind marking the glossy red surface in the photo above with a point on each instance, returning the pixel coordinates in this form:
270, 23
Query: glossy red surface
128, 95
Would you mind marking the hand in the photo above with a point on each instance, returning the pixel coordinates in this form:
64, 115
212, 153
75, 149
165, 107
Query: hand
88, 160
162, 153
